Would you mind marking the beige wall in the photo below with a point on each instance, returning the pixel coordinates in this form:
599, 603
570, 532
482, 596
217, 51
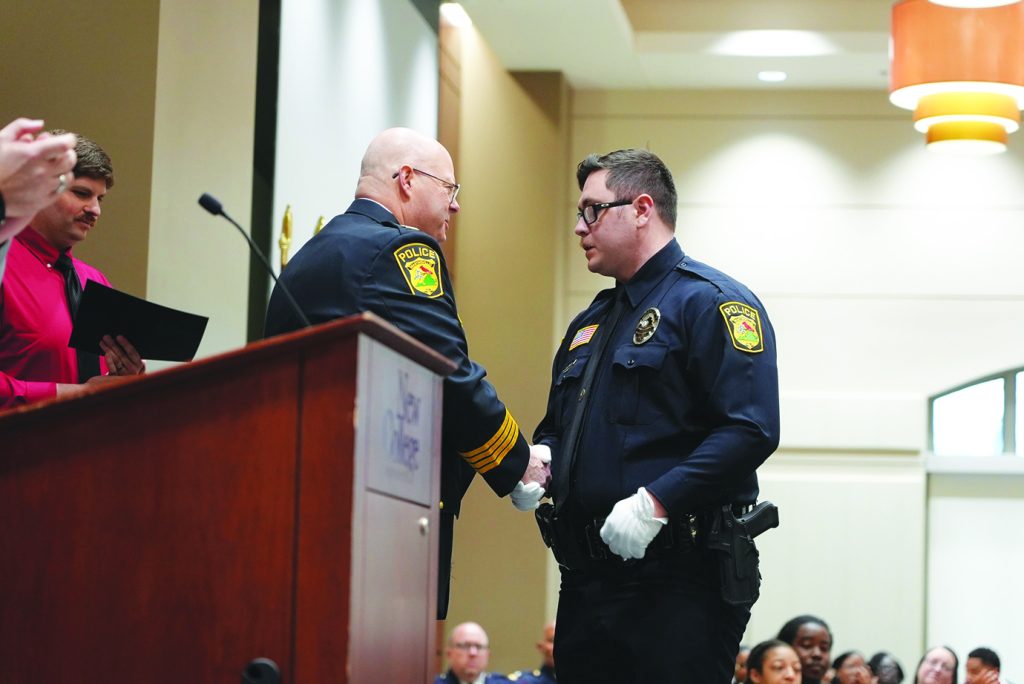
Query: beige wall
89, 68
162, 91
203, 142
512, 165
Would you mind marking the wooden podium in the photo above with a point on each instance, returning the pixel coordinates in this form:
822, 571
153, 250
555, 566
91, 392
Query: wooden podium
279, 501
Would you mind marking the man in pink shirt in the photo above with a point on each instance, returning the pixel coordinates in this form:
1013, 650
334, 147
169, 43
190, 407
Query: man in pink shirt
40, 289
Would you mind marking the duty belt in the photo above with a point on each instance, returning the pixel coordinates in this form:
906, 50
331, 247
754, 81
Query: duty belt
577, 546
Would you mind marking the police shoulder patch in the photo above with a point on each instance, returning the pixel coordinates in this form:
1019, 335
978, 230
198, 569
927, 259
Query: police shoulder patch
744, 325
421, 267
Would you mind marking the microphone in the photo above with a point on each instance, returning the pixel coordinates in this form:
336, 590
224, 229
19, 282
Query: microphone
213, 205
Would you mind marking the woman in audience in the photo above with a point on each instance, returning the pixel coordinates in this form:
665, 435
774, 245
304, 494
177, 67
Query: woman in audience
773, 662
811, 638
886, 669
938, 666
851, 668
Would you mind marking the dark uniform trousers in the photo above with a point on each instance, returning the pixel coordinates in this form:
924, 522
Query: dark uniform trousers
687, 628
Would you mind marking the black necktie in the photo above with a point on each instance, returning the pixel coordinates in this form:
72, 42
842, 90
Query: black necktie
571, 440
88, 364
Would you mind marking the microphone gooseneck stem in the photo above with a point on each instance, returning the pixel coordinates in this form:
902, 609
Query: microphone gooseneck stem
266, 264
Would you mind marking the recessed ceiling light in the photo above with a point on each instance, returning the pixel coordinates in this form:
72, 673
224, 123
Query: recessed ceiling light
771, 76
454, 14
773, 44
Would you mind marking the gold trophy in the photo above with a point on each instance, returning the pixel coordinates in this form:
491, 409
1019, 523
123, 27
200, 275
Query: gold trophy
285, 241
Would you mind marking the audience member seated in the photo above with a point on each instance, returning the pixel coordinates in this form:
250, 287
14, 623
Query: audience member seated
851, 668
740, 673
886, 668
546, 673
40, 291
773, 662
983, 667
811, 638
939, 665
467, 654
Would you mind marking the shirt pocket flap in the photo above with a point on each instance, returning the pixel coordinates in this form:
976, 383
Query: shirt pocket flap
572, 369
646, 356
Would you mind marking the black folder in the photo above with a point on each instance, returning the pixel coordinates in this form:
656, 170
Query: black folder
157, 332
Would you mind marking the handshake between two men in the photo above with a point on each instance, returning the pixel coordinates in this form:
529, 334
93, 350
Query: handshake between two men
632, 524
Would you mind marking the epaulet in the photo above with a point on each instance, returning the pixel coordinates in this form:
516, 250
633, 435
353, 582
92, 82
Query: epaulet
723, 283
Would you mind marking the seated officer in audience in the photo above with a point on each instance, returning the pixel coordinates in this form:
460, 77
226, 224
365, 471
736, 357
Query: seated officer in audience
41, 288
546, 673
467, 655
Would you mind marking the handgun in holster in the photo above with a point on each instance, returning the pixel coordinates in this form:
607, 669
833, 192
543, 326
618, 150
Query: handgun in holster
733, 536
545, 515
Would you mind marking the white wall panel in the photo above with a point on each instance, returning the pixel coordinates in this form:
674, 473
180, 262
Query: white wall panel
849, 548
974, 558
349, 69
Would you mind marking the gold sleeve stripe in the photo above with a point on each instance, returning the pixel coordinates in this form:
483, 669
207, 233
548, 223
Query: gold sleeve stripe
493, 452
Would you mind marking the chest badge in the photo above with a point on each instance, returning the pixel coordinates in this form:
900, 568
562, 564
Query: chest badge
647, 325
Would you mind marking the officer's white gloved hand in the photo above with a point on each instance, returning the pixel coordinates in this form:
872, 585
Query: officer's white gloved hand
526, 497
631, 525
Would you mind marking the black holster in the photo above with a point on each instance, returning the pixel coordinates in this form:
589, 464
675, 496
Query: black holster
732, 536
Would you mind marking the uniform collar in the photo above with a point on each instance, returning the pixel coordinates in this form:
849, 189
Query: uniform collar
39, 246
653, 271
372, 209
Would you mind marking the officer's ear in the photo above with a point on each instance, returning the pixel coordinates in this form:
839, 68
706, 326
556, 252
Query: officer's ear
404, 177
644, 208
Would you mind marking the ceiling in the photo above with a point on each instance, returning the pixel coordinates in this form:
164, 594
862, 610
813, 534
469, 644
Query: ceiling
677, 43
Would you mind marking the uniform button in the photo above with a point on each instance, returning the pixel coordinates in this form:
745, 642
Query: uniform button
631, 362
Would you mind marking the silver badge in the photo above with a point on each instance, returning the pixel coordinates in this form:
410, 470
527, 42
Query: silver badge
647, 325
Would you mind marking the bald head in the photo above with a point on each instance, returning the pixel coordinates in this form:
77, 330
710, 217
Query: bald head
468, 651
413, 176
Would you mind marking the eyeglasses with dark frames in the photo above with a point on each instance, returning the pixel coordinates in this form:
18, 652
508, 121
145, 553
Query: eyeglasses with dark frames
590, 213
453, 188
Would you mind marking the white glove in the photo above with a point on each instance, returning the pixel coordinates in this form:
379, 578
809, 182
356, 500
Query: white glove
631, 525
526, 497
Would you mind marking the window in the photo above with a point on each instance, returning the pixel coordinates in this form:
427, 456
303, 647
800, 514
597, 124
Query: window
979, 419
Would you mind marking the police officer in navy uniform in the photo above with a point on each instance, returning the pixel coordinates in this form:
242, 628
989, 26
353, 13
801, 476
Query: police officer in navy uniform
384, 255
663, 402
546, 673
468, 653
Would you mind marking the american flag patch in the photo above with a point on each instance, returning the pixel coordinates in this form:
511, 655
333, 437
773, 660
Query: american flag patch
582, 336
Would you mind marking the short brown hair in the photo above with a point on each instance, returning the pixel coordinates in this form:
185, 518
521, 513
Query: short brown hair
632, 173
93, 161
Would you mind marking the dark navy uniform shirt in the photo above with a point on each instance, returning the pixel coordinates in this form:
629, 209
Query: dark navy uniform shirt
364, 260
689, 412
489, 678
545, 675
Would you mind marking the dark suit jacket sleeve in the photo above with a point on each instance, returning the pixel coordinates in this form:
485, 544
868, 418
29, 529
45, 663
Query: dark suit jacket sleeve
409, 285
